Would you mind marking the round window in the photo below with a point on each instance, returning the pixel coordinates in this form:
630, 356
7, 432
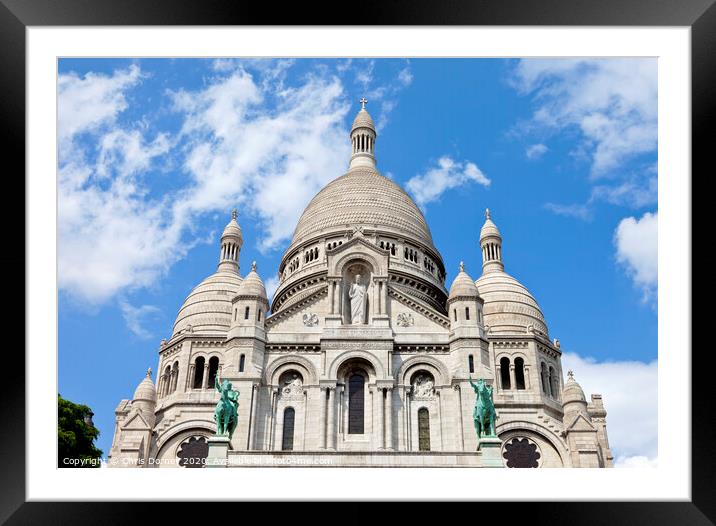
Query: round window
521, 453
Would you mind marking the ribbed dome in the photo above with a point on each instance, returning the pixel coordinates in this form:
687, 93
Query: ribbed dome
363, 120
208, 307
463, 285
362, 197
252, 285
145, 390
233, 230
509, 306
572, 391
489, 229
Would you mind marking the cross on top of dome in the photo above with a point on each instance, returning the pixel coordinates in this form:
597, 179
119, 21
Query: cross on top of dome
363, 102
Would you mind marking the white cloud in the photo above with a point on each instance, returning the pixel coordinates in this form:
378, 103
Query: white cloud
364, 76
135, 316
612, 106
88, 102
635, 192
612, 102
448, 174
629, 390
638, 461
405, 77
113, 235
535, 151
272, 162
271, 285
579, 211
636, 243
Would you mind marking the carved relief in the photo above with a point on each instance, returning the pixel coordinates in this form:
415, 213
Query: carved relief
423, 387
405, 319
310, 319
291, 385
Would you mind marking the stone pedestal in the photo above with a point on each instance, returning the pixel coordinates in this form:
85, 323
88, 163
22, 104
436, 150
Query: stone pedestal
491, 449
218, 456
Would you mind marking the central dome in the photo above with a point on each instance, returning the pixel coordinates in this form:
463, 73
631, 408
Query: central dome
362, 197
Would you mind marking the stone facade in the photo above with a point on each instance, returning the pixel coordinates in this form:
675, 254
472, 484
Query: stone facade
365, 358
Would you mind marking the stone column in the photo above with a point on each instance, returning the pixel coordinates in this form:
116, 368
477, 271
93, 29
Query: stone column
205, 379
513, 383
458, 397
272, 421
190, 378
378, 417
331, 431
526, 372
254, 417
402, 438
389, 418
408, 423
322, 418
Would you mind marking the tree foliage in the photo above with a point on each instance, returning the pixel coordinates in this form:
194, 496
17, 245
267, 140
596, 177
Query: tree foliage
76, 435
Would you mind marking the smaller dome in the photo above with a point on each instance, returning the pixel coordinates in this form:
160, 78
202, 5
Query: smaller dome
489, 228
463, 285
233, 229
509, 307
252, 285
146, 391
363, 120
572, 391
207, 309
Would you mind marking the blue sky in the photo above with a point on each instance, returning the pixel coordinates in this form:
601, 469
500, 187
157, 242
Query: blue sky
154, 154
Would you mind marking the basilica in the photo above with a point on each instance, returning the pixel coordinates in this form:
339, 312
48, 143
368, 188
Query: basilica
363, 357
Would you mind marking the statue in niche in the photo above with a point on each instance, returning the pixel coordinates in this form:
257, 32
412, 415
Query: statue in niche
357, 297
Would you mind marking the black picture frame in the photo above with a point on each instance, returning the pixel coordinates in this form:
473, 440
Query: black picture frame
699, 15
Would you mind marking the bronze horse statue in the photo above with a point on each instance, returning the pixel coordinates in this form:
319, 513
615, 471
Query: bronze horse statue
226, 414
484, 415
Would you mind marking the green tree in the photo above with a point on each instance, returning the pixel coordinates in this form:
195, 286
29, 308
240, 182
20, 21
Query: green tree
76, 435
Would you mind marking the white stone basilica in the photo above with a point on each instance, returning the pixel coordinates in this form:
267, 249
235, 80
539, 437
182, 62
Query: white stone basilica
364, 358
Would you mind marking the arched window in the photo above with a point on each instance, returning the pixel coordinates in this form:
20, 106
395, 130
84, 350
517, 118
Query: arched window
166, 381
258, 315
545, 379
198, 372
505, 373
471, 363
242, 362
519, 373
356, 403
454, 313
423, 429
289, 418
467, 313
246, 313
213, 371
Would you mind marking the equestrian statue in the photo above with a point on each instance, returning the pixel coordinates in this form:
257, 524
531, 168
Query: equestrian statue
226, 414
484, 415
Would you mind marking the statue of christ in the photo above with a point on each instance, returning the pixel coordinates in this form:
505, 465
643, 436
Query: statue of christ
357, 297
